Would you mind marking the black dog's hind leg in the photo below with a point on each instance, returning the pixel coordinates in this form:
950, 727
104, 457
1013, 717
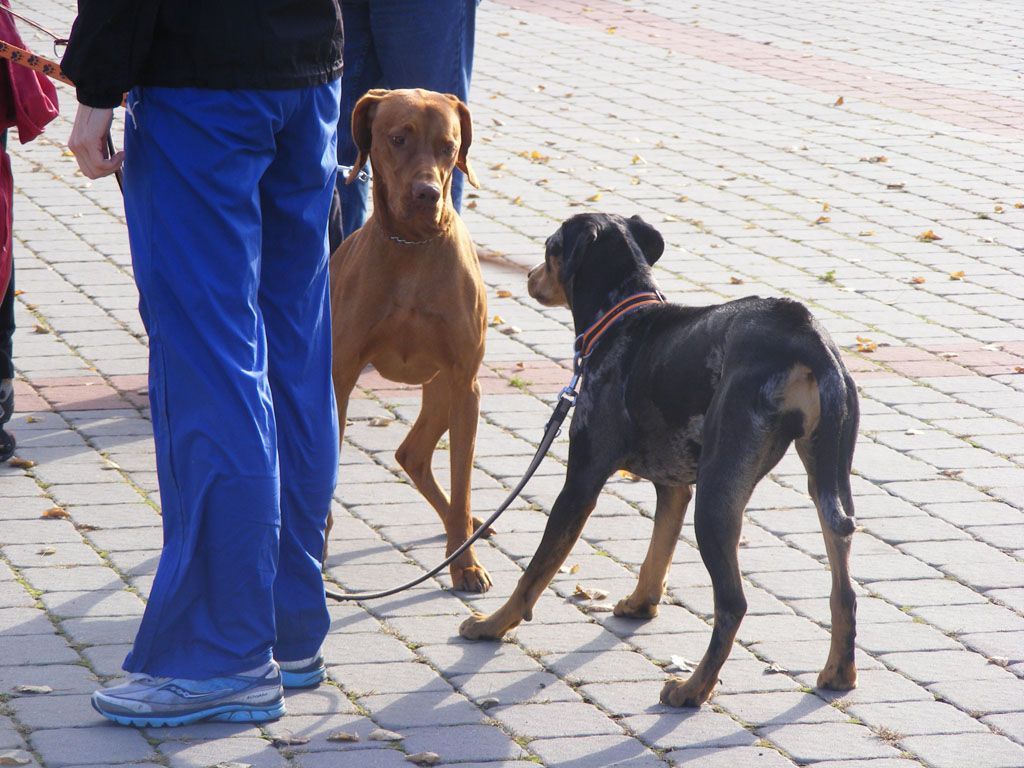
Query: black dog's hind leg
668, 521
840, 672
741, 443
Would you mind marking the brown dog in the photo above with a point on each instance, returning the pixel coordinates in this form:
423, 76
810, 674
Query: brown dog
407, 296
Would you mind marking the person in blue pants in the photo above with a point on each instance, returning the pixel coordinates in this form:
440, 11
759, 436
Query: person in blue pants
400, 44
229, 170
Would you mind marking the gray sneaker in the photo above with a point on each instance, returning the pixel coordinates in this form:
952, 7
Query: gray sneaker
251, 697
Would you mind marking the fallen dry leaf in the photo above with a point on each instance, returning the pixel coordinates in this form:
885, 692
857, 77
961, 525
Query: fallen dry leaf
875, 159
638, 160
289, 740
33, 689
1018, 205
55, 513
46, 551
680, 664
594, 197
382, 734
497, 166
497, 320
952, 472
31, 419
917, 280
866, 232
15, 757
471, 205
958, 275
682, 199
948, 355
520, 366
822, 220
999, 209
517, 200
611, 30
22, 463
839, 102
511, 330
1018, 369
825, 206
19, 292
580, 593
866, 346
504, 294
343, 736
736, 280
424, 758
895, 185
627, 475
928, 236
380, 421
635, 181
41, 329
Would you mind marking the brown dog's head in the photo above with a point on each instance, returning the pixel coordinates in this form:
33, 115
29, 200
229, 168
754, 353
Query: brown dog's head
415, 139
607, 248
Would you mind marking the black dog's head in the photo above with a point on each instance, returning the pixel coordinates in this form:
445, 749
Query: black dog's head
593, 251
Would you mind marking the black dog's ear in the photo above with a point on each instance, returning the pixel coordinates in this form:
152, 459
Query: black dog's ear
648, 238
577, 237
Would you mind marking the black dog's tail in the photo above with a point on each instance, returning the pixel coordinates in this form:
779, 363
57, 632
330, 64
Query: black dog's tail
833, 443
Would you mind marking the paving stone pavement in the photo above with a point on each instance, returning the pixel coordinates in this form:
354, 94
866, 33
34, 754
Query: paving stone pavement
784, 148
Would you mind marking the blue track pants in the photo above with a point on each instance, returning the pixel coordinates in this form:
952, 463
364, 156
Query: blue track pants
400, 44
227, 195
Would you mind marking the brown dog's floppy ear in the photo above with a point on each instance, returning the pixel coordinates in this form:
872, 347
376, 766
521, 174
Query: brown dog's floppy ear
648, 238
466, 130
362, 128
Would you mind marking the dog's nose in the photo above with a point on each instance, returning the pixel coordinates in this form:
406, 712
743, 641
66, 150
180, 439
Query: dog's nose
426, 193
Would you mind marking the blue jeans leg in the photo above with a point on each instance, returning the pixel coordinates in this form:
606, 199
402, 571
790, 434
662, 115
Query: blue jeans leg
401, 44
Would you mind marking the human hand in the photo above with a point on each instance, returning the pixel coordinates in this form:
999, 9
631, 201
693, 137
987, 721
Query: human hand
88, 141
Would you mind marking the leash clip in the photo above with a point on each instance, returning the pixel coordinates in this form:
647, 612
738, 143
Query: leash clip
363, 175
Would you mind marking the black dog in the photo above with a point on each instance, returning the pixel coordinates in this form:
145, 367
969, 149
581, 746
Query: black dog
681, 395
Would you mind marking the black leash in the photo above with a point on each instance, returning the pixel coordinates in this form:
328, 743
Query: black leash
566, 400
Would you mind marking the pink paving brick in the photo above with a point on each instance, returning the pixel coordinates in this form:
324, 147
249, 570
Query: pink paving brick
829, 76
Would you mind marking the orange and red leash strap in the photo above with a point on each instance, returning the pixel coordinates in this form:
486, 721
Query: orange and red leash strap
33, 61
586, 341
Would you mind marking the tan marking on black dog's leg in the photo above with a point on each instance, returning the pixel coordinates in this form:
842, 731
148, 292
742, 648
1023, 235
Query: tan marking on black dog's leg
568, 516
719, 514
840, 672
468, 575
668, 521
800, 393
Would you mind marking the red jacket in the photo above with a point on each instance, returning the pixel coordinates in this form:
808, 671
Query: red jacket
28, 100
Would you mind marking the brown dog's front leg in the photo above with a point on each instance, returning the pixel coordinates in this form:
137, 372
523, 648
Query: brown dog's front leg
571, 510
468, 575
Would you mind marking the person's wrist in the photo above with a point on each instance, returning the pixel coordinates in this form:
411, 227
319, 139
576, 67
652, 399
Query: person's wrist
98, 99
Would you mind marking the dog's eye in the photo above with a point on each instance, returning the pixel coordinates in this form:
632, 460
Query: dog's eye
397, 141
449, 148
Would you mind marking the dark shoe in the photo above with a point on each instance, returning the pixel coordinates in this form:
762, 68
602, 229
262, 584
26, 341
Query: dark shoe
7, 445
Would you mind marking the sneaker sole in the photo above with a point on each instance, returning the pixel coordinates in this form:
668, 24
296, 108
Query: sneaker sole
307, 679
226, 713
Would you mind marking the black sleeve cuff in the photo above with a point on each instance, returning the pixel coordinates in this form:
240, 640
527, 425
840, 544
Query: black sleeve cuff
98, 99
